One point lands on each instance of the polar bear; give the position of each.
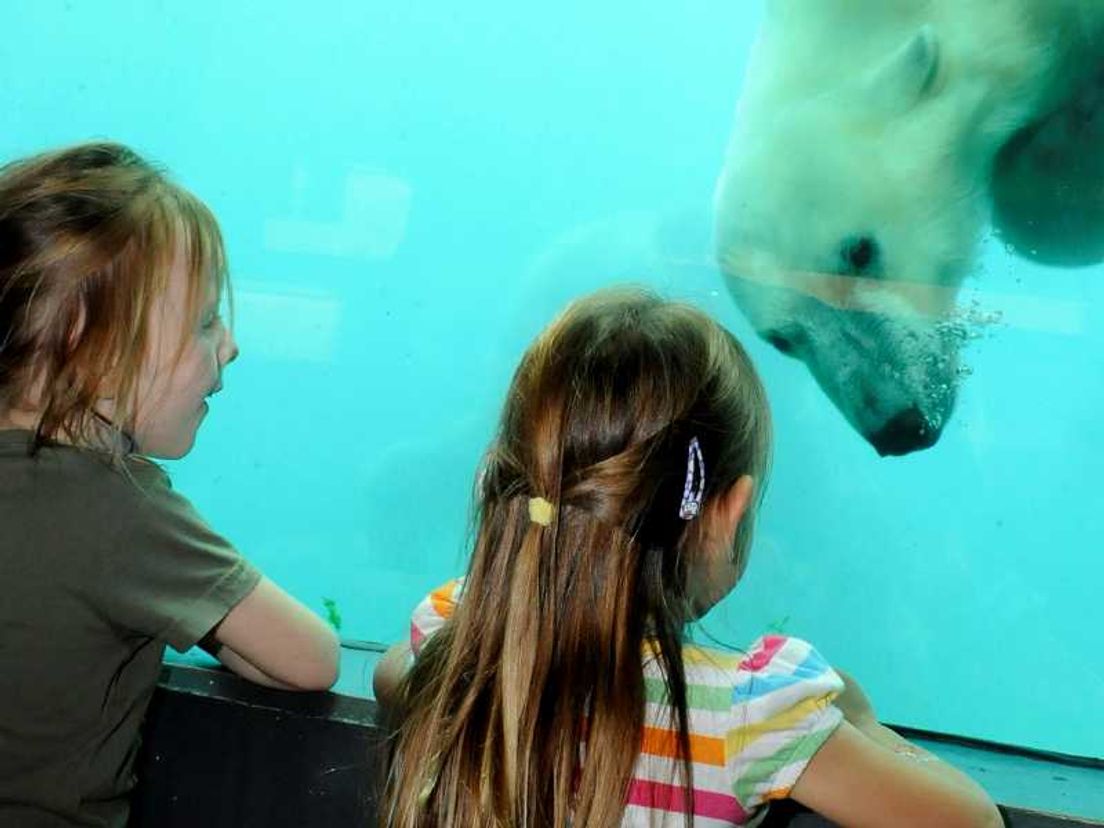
(874, 141)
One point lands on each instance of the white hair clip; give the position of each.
(691, 495)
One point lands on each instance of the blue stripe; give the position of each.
(757, 685)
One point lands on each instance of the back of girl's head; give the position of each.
(554, 619)
(87, 238)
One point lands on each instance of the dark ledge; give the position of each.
(220, 751)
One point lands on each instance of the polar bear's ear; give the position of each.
(900, 82)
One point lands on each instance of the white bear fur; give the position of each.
(912, 123)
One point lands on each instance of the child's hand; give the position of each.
(853, 702)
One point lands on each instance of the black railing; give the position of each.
(220, 752)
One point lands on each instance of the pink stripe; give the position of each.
(762, 657)
(416, 637)
(661, 797)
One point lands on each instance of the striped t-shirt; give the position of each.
(755, 718)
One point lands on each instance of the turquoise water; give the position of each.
(408, 194)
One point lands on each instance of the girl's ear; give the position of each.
(733, 505)
(906, 76)
(719, 564)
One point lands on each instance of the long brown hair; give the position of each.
(527, 707)
(87, 237)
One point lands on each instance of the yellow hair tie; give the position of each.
(540, 511)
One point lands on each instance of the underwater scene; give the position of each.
(897, 207)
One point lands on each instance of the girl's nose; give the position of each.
(228, 349)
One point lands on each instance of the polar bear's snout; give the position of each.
(908, 431)
(893, 375)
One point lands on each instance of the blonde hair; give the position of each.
(527, 707)
(87, 238)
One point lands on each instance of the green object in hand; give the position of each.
(332, 614)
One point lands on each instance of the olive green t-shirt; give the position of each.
(98, 572)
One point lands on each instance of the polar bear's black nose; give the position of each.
(908, 431)
(859, 255)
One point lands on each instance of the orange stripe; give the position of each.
(442, 600)
(706, 750)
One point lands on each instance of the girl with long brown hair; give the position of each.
(553, 685)
(111, 341)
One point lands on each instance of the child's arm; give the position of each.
(428, 617)
(857, 781)
(271, 638)
(389, 673)
(865, 774)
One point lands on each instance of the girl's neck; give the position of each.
(105, 437)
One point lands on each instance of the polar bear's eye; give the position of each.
(780, 342)
(788, 339)
(859, 255)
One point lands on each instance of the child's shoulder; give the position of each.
(81, 482)
(433, 611)
(59, 465)
(441, 602)
(137, 477)
(772, 661)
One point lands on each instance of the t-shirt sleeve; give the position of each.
(432, 613)
(782, 713)
(166, 573)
